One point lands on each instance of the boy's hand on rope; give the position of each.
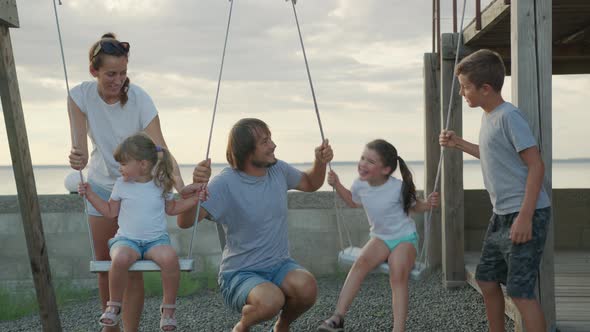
(324, 153)
(333, 179)
(433, 200)
(448, 138)
(78, 159)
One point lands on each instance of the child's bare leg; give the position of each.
(401, 261)
(373, 253)
(532, 314)
(122, 258)
(494, 301)
(166, 258)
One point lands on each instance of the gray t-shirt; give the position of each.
(504, 133)
(253, 213)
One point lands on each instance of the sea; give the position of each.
(567, 173)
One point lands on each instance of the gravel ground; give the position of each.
(432, 308)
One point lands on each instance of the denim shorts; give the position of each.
(236, 285)
(140, 246)
(103, 193)
(412, 238)
(515, 265)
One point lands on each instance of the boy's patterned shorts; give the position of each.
(515, 265)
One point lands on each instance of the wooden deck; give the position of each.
(570, 35)
(572, 288)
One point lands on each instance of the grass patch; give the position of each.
(21, 303)
(189, 283)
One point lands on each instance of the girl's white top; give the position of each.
(108, 125)
(384, 207)
(142, 215)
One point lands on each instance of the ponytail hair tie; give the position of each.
(158, 148)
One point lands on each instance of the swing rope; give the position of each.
(423, 252)
(74, 133)
(144, 265)
(317, 112)
(214, 112)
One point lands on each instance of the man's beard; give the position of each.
(263, 164)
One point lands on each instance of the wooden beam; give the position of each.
(452, 200)
(8, 13)
(490, 16)
(432, 150)
(25, 184)
(531, 56)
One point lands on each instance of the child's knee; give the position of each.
(488, 287)
(123, 260)
(399, 276)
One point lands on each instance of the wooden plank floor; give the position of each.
(572, 288)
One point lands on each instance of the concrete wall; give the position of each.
(313, 237)
(571, 215)
(313, 233)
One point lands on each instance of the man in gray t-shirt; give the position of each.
(257, 276)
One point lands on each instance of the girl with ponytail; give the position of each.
(141, 198)
(388, 202)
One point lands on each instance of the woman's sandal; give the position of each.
(169, 322)
(330, 325)
(113, 315)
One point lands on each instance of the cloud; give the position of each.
(365, 59)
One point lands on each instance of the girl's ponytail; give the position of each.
(163, 170)
(408, 188)
(389, 157)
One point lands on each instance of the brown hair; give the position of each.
(241, 142)
(141, 147)
(483, 67)
(96, 61)
(389, 157)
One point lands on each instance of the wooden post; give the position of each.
(432, 150)
(531, 53)
(25, 183)
(452, 199)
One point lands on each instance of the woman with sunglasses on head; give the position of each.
(108, 110)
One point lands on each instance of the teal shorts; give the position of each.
(412, 238)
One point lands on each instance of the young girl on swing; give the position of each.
(388, 202)
(140, 198)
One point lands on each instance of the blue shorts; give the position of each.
(102, 193)
(140, 246)
(412, 238)
(236, 285)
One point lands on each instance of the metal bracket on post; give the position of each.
(9, 14)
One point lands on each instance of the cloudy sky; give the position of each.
(365, 60)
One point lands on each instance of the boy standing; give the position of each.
(513, 175)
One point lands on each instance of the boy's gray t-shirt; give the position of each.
(253, 213)
(504, 133)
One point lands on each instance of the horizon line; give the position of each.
(579, 159)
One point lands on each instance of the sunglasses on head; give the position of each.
(111, 47)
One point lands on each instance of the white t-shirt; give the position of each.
(384, 208)
(142, 214)
(109, 125)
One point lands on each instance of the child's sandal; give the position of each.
(330, 325)
(167, 323)
(112, 317)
